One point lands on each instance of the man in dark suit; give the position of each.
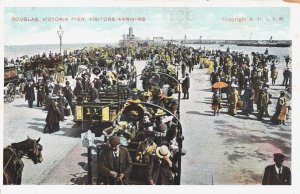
(29, 93)
(186, 86)
(40, 87)
(286, 77)
(277, 174)
(160, 167)
(115, 163)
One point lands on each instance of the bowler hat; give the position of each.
(114, 140)
(279, 156)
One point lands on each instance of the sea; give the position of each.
(14, 51)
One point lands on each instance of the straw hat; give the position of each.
(148, 93)
(160, 112)
(163, 151)
(122, 123)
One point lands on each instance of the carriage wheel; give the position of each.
(21, 89)
(276, 60)
(12, 98)
(11, 88)
(5, 99)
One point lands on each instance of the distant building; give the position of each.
(158, 39)
(130, 36)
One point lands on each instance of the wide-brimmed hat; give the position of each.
(160, 112)
(60, 68)
(148, 93)
(265, 88)
(234, 86)
(163, 151)
(122, 123)
(134, 113)
(54, 96)
(134, 91)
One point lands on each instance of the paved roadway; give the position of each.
(65, 160)
(225, 149)
(220, 149)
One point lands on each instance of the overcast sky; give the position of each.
(213, 23)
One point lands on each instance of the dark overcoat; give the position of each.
(159, 171)
(105, 164)
(29, 92)
(271, 177)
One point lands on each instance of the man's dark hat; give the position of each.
(282, 92)
(67, 82)
(114, 140)
(96, 71)
(279, 156)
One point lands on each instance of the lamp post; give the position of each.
(60, 33)
(200, 42)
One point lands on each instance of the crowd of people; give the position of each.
(245, 82)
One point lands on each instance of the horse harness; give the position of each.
(19, 154)
(10, 148)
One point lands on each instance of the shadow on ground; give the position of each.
(199, 113)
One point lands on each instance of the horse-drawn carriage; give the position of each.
(273, 59)
(135, 124)
(123, 112)
(13, 83)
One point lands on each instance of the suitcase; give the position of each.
(67, 111)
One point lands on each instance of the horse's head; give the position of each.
(34, 151)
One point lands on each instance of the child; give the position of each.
(282, 114)
(216, 103)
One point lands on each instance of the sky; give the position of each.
(175, 23)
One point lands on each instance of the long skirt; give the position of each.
(51, 127)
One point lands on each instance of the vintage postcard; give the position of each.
(150, 93)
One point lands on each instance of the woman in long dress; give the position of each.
(53, 116)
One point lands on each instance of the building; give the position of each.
(158, 39)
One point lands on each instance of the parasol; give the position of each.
(220, 85)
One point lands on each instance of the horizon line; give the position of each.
(144, 40)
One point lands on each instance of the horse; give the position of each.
(12, 159)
